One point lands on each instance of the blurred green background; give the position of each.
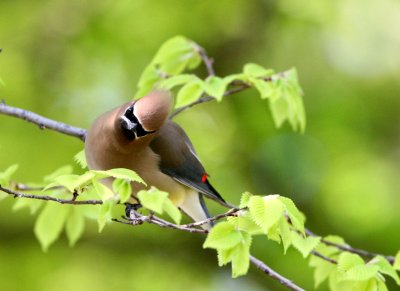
(72, 60)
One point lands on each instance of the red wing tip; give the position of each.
(204, 178)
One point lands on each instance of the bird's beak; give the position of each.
(129, 125)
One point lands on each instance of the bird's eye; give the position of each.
(130, 115)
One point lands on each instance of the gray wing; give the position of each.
(179, 160)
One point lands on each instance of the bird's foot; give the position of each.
(131, 208)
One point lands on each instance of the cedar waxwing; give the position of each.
(139, 136)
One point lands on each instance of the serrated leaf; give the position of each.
(123, 188)
(385, 268)
(223, 236)
(244, 222)
(189, 93)
(80, 159)
(296, 217)
(241, 256)
(102, 191)
(224, 256)
(323, 269)
(244, 200)
(175, 81)
(347, 261)
(396, 264)
(153, 199)
(5, 176)
(172, 49)
(105, 213)
(72, 182)
(75, 225)
(235, 77)
(285, 234)
(215, 87)
(172, 211)
(361, 272)
(120, 173)
(50, 223)
(265, 211)
(279, 110)
(337, 284)
(266, 89)
(304, 245)
(64, 170)
(256, 71)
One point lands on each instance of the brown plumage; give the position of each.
(138, 135)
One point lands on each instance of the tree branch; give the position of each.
(42, 122)
(350, 249)
(50, 198)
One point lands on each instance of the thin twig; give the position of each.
(139, 219)
(325, 258)
(206, 98)
(42, 122)
(208, 62)
(50, 198)
(350, 249)
(267, 270)
(231, 212)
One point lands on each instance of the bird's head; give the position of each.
(146, 115)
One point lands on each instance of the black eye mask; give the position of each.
(131, 126)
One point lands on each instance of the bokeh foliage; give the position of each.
(72, 60)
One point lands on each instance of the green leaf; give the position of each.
(64, 170)
(266, 211)
(215, 87)
(361, 273)
(153, 199)
(189, 93)
(102, 191)
(265, 88)
(256, 71)
(172, 211)
(241, 256)
(225, 256)
(223, 236)
(244, 200)
(120, 173)
(279, 110)
(296, 217)
(50, 223)
(347, 261)
(75, 225)
(235, 77)
(175, 81)
(105, 213)
(385, 268)
(285, 233)
(80, 159)
(5, 176)
(396, 264)
(323, 269)
(244, 222)
(304, 245)
(72, 182)
(123, 188)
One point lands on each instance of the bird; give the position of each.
(138, 135)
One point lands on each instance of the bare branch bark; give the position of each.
(42, 122)
(50, 198)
